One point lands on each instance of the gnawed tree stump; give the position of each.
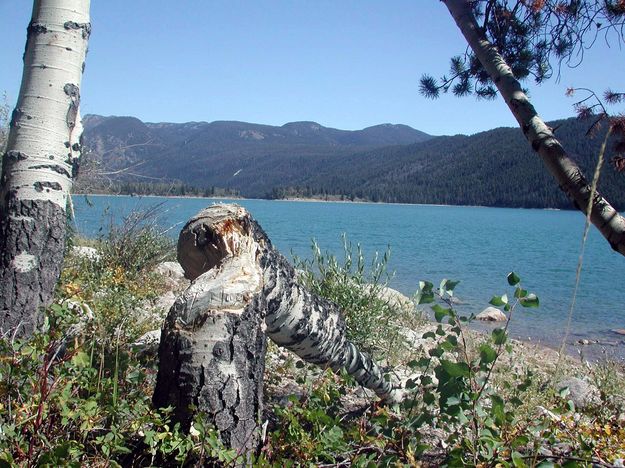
(213, 341)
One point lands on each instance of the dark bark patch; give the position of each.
(36, 28)
(54, 167)
(536, 144)
(41, 186)
(72, 113)
(71, 90)
(16, 155)
(86, 27)
(75, 167)
(15, 117)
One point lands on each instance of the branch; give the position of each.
(567, 174)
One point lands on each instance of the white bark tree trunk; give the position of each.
(213, 341)
(568, 175)
(40, 160)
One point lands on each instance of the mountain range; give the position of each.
(389, 163)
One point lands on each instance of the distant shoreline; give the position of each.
(310, 200)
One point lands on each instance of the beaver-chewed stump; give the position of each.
(213, 341)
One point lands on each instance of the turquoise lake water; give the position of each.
(478, 246)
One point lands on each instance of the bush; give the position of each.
(61, 405)
(374, 320)
(119, 282)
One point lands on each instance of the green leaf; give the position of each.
(513, 279)
(531, 300)
(414, 364)
(440, 312)
(455, 369)
(499, 336)
(424, 297)
(517, 460)
(436, 352)
(447, 286)
(520, 292)
(81, 359)
(447, 346)
(520, 441)
(487, 353)
(497, 301)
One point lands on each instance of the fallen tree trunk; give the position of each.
(212, 346)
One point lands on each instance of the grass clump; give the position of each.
(375, 315)
(117, 282)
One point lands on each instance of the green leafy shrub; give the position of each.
(118, 283)
(468, 403)
(374, 321)
(59, 406)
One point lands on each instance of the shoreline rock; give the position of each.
(491, 314)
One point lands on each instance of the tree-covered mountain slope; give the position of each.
(492, 168)
(390, 163)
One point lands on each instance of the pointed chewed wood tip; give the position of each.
(217, 232)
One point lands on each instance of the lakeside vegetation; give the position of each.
(79, 392)
(163, 189)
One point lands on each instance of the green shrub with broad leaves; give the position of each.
(466, 405)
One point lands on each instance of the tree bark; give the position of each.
(243, 288)
(40, 160)
(568, 175)
(212, 350)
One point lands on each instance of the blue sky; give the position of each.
(347, 64)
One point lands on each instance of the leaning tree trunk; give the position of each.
(568, 175)
(212, 345)
(40, 160)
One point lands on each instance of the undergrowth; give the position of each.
(468, 403)
(375, 315)
(77, 394)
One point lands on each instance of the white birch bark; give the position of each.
(212, 344)
(568, 175)
(41, 157)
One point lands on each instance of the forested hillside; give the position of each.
(493, 168)
(244, 157)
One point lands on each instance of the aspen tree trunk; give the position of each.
(40, 160)
(212, 344)
(568, 175)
